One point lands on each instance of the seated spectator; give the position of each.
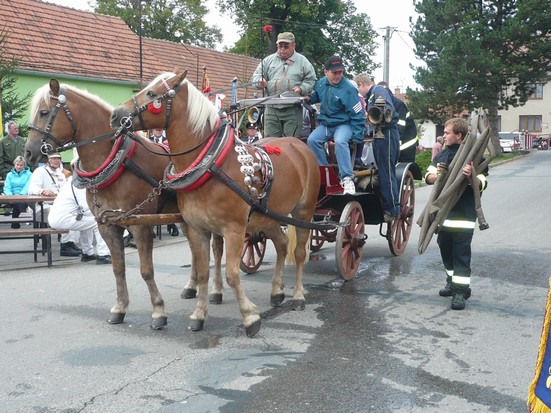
(70, 211)
(17, 183)
(48, 180)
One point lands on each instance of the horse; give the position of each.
(233, 195)
(63, 117)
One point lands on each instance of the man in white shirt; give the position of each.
(70, 211)
(48, 180)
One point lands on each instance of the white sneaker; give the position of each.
(348, 186)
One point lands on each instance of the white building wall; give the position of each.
(533, 107)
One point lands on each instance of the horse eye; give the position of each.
(150, 94)
(44, 112)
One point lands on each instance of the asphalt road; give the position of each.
(384, 342)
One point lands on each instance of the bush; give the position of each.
(423, 159)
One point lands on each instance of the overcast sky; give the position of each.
(392, 13)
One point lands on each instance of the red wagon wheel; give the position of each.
(254, 248)
(350, 240)
(317, 239)
(399, 230)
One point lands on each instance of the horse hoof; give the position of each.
(196, 325)
(253, 329)
(276, 300)
(188, 293)
(158, 323)
(298, 305)
(215, 298)
(116, 318)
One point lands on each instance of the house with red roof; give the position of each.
(101, 54)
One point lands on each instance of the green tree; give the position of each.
(13, 105)
(321, 28)
(479, 53)
(181, 21)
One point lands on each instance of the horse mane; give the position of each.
(42, 95)
(200, 109)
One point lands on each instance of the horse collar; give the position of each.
(214, 153)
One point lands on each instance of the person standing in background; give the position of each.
(11, 146)
(437, 147)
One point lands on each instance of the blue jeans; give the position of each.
(386, 152)
(341, 135)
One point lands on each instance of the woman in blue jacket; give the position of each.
(17, 183)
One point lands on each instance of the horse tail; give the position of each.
(292, 244)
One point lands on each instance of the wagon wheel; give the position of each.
(399, 230)
(350, 240)
(317, 239)
(254, 248)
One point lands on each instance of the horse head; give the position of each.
(170, 97)
(62, 114)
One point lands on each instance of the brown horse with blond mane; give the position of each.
(280, 176)
(120, 174)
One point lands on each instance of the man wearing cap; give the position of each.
(284, 71)
(48, 180)
(252, 134)
(341, 117)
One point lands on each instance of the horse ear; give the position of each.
(181, 76)
(54, 86)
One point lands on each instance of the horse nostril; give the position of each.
(113, 116)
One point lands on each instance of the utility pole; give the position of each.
(386, 63)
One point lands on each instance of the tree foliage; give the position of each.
(174, 20)
(321, 29)
(479, 53)
(13, 105)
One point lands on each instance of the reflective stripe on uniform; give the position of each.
(409, 143)
(449, 273)
(483, 182)
(402, 122)
(458, 224)
(457, 279)
(431, 170)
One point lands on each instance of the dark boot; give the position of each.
(446, 291)
(173, 230)
(458, 301)
(69, 249)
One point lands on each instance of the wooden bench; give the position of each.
(34, 234)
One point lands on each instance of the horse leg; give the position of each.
(113, 237)
(217, 286)
(280, 242)
(300, 260)
(249, 312)
(199, 242)
(190, 290)
(143, 236)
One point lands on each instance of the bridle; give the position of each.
(155, 107)
(46, 148)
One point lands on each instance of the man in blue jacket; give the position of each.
(341, 117)
(386, 144)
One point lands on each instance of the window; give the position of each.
(531, 123)
(538, 91)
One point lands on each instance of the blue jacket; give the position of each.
(17, 183)
(339, 104)
(381, 91)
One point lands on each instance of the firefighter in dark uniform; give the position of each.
(406, 128)
(456, 233)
